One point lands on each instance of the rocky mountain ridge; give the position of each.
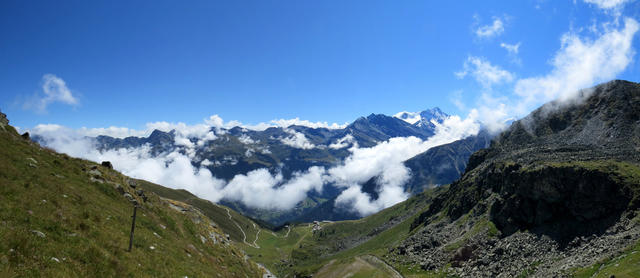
(558, 190)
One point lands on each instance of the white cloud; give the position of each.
(578, 64)
(54, 89)
(174, 169)
(216, 121)
(113, 131)
(261, 189)
(343, 142)
(245, 139)
(296, 121)
(296, 140)
(511, 48)
(607, 4)
(258, 189)
(512, 51)
(488, 31)
(285, 123)
(484, 72)
(409, 117)
(385, 161)
(581, 62)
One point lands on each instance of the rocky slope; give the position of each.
(555, 192)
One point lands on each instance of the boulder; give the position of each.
(463, 254)
(132, 183)
(26, 136)
(128, 196)
(107, 164)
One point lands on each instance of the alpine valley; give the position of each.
(556, 194)
(288, 151)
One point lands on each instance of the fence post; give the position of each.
(133, 226)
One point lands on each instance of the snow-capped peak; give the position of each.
(422, 118)
(409, 117)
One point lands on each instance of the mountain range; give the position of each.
(293, 149)
(554, 195)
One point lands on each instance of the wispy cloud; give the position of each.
(488, 31)
(608, 4)
(580, 63)
(343, 142)
(54, 89)
(512, 52)
(511, 48)
(484, 72)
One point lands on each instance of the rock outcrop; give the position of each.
(560, 185)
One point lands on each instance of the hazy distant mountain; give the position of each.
(288, 150)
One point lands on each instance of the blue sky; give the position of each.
(127, 64)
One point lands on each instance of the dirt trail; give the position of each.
(244, 235)
(285, 236)
(361, 265)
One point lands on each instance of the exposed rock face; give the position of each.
(107, 164)
(3, 119)
(132, 183)
(564, 202)
(559, 185)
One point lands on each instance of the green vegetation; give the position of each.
(219, 214)
(626, 265)
(305, 252)
(55, 221)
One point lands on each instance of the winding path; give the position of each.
(244, 235)
(255, 242)
(285, 236)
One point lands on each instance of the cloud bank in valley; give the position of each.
(385, 163)
(261, 188)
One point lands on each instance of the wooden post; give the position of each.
(133, 226)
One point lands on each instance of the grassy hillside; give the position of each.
(237, 226)
(302, 251)
(61, 218)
